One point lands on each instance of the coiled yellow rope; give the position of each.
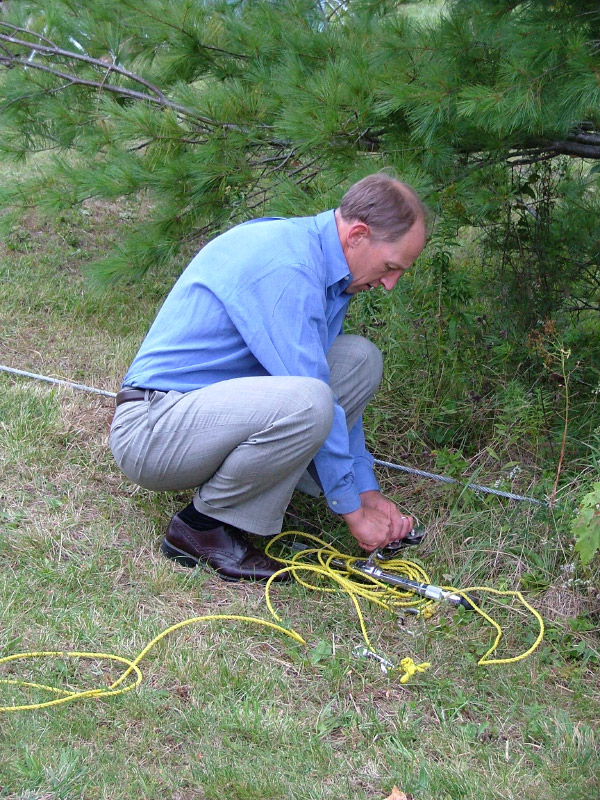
(386, 596)
(356, 585)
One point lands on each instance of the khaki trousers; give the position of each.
(244, 443)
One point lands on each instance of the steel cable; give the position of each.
(401, 467)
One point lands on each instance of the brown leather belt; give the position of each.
(128, 394)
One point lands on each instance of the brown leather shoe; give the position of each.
(227, 552)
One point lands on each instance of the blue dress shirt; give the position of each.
(265, 298)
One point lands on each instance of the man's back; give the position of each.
(252, 301)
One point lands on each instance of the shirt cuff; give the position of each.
(344, 501)
(364, 477)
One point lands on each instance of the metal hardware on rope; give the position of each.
(360, 651)
(427, 590)
(371, 568)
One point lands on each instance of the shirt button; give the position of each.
(334, 502)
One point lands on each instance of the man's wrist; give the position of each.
(370, 495)
(351, 516)
(345, 501)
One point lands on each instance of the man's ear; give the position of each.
(357, 232)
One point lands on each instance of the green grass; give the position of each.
(227, 710)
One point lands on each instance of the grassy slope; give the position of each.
(226, 710)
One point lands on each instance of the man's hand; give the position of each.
(401, 524)
(377, 522)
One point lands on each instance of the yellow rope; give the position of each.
(410, 668)
(384, 595)
(132, 666)
(345, 579)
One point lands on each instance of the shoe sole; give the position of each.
(186, 560)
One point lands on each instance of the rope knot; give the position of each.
(408, 666)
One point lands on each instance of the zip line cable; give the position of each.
(72, 385)
(400, 467)
(474, 486)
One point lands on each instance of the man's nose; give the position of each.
(390, 280)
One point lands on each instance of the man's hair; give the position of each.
(388, 206)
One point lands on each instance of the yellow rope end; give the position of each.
(408, 666)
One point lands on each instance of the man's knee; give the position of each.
(370, 355)
(318, 398)
(355, 353)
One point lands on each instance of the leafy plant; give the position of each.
(586, 525)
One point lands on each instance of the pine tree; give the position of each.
(225, 110)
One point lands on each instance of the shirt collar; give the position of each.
(336, 267)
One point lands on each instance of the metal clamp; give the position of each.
(414, 538)
(360, 651)
(427, 590)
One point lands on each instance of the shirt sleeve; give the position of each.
(364, 477)
(282, 319)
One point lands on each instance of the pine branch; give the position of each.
(74, 80)
(584, 306)
(338, 8)
(575, 147)
(579, 145)
(28, 32)
(545, 156)
(139, 10)
(563, 147)
(12, 60)
(587, 138)
(53, 51)
(156, 138)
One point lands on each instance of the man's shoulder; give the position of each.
(258, 247)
